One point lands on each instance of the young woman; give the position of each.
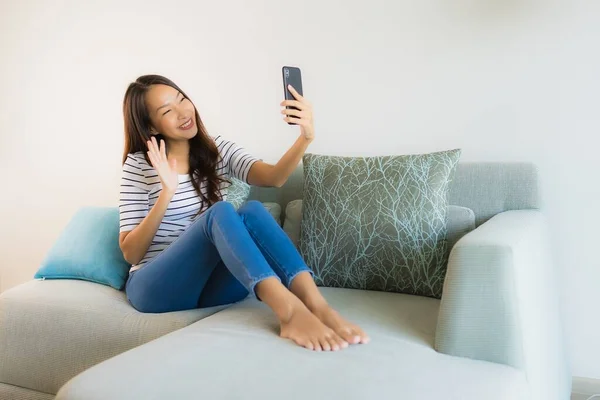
(189, 248)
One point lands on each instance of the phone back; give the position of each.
(292, 76)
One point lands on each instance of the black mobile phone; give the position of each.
(291, 76)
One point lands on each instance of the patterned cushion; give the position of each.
(461, 220)
(378, 223)
(237, 192)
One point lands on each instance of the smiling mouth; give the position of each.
(187, 125)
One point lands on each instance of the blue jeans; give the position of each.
(217, 260)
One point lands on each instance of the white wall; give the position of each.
(502, 79)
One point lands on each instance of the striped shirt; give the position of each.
(140, 187)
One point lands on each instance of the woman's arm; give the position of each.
(263, 174)
(134, 244)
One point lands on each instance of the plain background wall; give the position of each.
(505, 80)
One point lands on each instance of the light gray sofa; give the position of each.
(495, 334)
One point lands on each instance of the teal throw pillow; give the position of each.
(88, 249)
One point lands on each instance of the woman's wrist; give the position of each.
(167, 195)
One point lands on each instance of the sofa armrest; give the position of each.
(500, 300)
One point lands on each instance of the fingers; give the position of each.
(295, 93)
(152, 155)
(291, 111)
(153, 159)
(156, 152)
(295, 103)
(163, 149)
(301, 115)
(152, 148)
(296, 117)
(297, 121)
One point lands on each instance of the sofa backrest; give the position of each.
(485, 187)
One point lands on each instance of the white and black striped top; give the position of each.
(140, 187)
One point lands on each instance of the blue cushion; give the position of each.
(88, 249)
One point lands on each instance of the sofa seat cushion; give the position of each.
(11, 392)
(54, 329)
(236, 354)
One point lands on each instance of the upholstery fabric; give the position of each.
(275, 210)
(11, 392)
(237, 354)
(461, 220)
(500, 301)
(487, 188)
(238, 192)
(53, 329)
(378, 223)
(88, 249)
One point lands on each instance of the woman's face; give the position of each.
(171, 114)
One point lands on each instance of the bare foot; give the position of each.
(304, 328)
(348, 331)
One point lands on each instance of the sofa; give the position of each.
(495, 333)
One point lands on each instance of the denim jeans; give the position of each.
(217, 260)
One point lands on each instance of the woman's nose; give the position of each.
(181, 114)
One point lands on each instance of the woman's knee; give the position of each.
(223, 206)
(251, 207)
(140, 306)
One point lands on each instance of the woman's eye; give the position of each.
(166, 112)
(182, 99)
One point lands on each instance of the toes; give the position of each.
(316, 345)
(325, 344)
(303, 343)
(364, 338)
(340, 341)
(349, 335)
(333, 343)
(307, 344)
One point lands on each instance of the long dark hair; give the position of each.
(204, 155)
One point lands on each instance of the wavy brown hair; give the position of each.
(204, 154)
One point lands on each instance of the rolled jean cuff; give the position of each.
(290, 278)
(255, 281)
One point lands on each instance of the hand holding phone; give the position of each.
(293, 77)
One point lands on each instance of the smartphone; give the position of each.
(291, 76)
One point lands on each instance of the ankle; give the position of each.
(283, 302)
(317, 305)
(304, 287)
(286, 310)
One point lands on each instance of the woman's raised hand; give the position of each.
(166, 169)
